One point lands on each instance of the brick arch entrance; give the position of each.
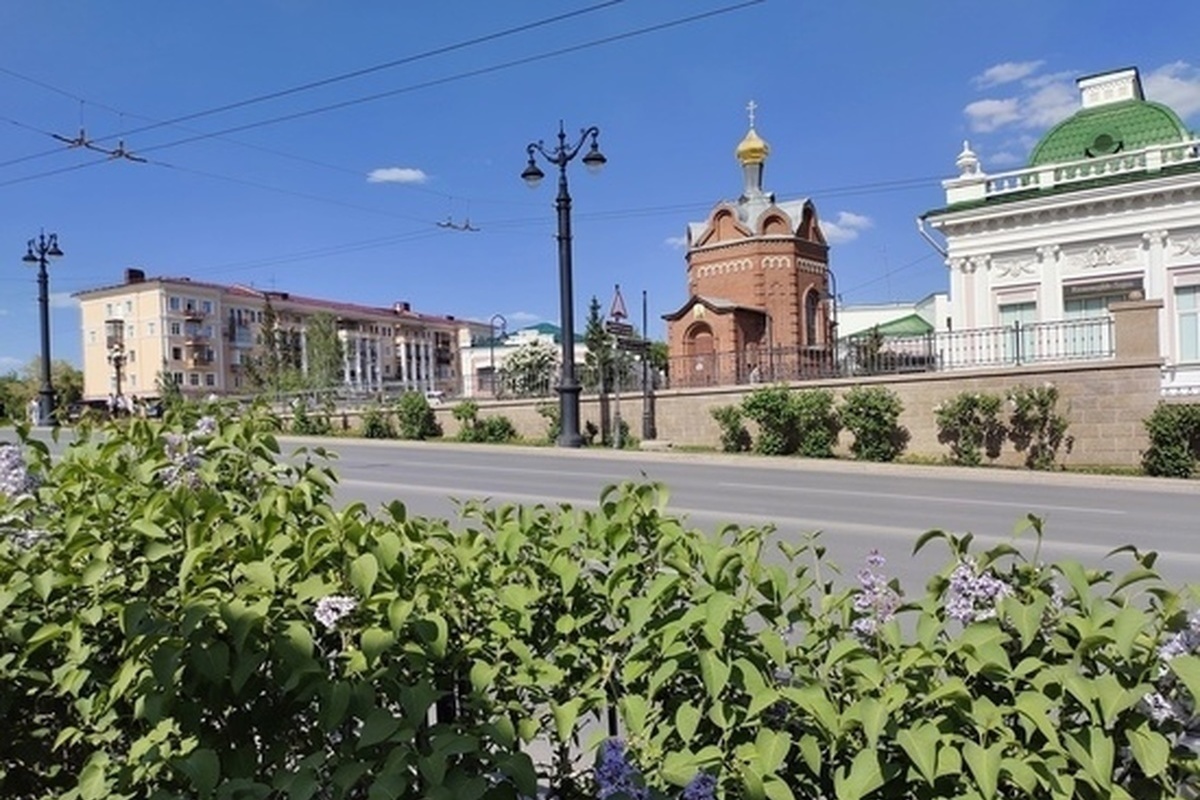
(700, 347)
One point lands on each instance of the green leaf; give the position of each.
(1187, 669)
(920, 743)
(260, 574)
(776, 789)
(985, 766)
(1151, 749)
(378, 726)
(1039, 710)
(203, 769)
(715, 674)
(1094, 751)
(434, 632)
(363, 572)
(375, 642)
(687, 719)
(634, 711)
(565, 716)
(1127, 624)
(863, 776)
(771, 748)
(872, 714)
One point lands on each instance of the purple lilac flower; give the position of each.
(15, 479)
(185, 460)
(615, 775)
(876, 600)
(1159, 707)
(1180, 644)
(973, 596)
(333, 609)
(26, 538)
(206, 426)
(701, 787)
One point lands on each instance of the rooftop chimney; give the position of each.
(134, 275)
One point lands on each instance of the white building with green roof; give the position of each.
(1107, 209)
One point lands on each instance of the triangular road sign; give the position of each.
(618, 311)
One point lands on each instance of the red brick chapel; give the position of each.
(758, 283)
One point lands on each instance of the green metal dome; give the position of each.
(1109, 129)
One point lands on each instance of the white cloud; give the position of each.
(10, 362)
(846, 227)
(675, 242)
(63, 300)
(397, 175)
(1049, 105)
(1176, 85)
(984, 116)
(1004, 158)
(1007, 72)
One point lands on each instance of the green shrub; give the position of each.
(1174, 432)
(189, 614)
(493, 430)
(817, 423)
(377, 424)
(970, 424)
(734, 436)
(1035, 426)
(415, 418)
(306, 424)
(550, 413)
(773, 410)
(872, 414)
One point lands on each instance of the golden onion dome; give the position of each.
(752, 149)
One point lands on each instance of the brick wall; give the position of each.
(1104, 403)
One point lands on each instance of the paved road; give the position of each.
(857, 506)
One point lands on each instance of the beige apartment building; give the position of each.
(201, 335)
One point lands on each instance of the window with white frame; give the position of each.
(193, 378)
(173, 303)
(210, 379)
(1187, 315)
(176, 329)
(150, 328)
(1018, 347)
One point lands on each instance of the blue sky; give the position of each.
(864, 104)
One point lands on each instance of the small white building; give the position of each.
(930, 313)
(1107, 209)
(483, 356)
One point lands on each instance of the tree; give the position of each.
(529, 370)
(274, 364)
(66, 377)
(598, 359)
(324, 351)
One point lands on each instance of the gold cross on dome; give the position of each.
(750, 108)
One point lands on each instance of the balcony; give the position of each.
(194, 312)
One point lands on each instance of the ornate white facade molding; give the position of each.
(726, 267)
(1189, 246)
(1014, 267)
(1048, 252)
(1102, 254)
(776, 262)
(1155, 238)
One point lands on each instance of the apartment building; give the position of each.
(202, 336)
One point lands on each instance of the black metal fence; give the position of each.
(875, 354)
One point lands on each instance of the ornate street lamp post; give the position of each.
(492, 347)
(115, 342)
(560, 156)
(40, 251)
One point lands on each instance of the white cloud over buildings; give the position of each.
(397, 175)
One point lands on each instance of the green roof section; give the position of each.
(1109, 129)
(912, 325)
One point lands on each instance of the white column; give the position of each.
(982, 291)
(1156, 286)
(346, 342)
(427, 353)
(1050, 299)
(402, 347)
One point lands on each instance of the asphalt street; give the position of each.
(855, 507)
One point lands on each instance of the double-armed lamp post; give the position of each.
(40, 251)
(560, 156)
